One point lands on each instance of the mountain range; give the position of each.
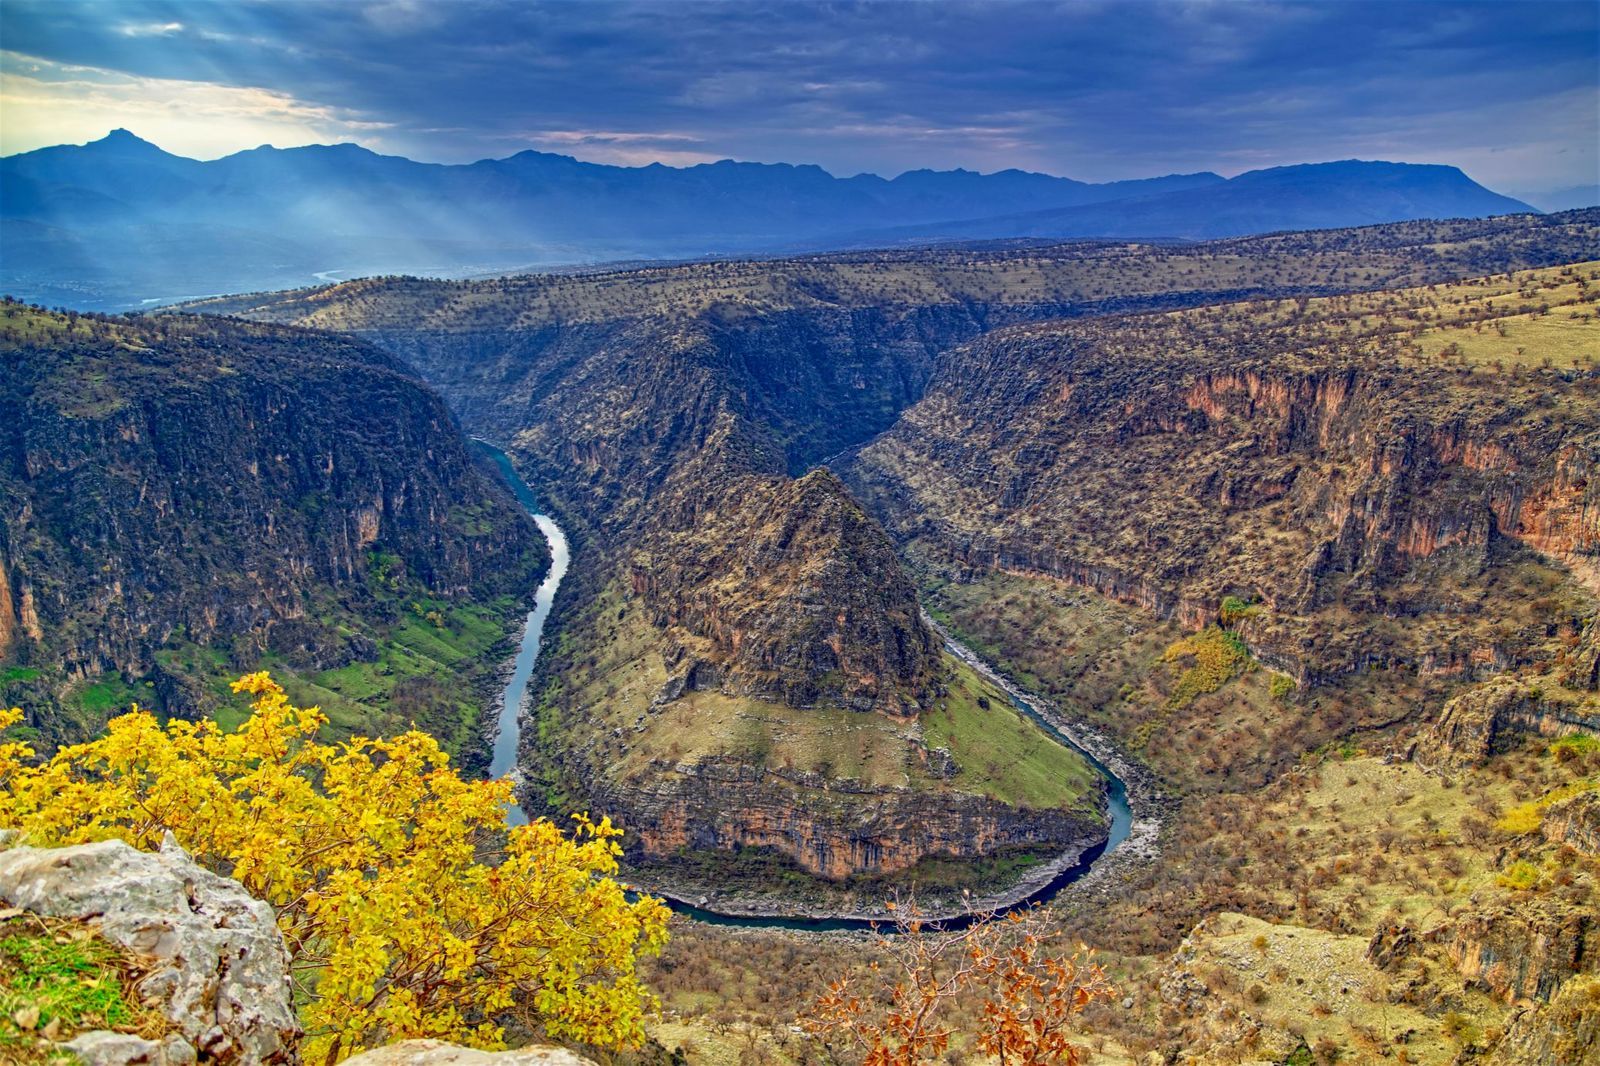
(119, 222)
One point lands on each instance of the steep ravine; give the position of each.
(665, 413)
(187, 499)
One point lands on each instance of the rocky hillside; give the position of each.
(190, 498)
(1398, 482)
(665, 413)
(1278, 550)
(785, 590)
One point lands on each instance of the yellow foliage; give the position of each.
(13, 753)
(376, 856)
(1520, 876)
(1217, 657)
(1524, 818)
(1527, 817)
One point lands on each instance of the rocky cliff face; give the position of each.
(1568, 1030)
(232, 486)
(829, 828)
(1298, 455)
(1523, 949)
(1491, 717)
(1575, 822)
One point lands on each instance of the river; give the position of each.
(504, 757)
(1045, 883)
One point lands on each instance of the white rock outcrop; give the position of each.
(436, 1053)
(217, 967)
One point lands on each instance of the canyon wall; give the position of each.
(663, 413)
(1364, 503)
(830, 828)
(197, 482)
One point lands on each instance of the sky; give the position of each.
(1098, 91)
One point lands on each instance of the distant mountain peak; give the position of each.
(123, 140)
(1365, 168)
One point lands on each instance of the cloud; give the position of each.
(151, 29)
(403, 16)
(1094, 90)
(44, 103)
(622, 148)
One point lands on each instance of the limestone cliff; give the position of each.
(830, 828)
(1493, 716)
(1524, 948)
(185, 483)
(213, 962)
(1568, 1030)
(1574, 821)
(1369, 498)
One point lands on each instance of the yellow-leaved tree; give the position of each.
(410, 909)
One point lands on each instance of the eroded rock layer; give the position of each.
(1303, 457)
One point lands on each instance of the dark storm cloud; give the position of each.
(1093, 90)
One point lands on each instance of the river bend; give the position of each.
(1038, 886)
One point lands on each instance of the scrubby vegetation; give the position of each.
(1259, 536)
(1210, 658)
(1032, 273)
(409, 909)
(1030, 994)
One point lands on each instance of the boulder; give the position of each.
(436, 1053)
(105, 1048)
(216, 964)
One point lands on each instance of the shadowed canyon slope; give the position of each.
(719, 603)
(186, 498)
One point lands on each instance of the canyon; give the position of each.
(188, 499)
(1302, 527)
(676, 418)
